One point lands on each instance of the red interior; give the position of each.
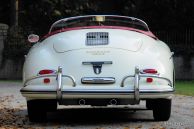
(148, 33)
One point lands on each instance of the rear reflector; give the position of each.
(149, 80)
(46, 71)
(150, 71)
(46, 80)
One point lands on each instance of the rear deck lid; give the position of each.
(97, 38)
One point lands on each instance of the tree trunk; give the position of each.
(12, 12)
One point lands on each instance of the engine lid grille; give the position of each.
(97, 38)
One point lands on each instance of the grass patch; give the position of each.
(185, 87)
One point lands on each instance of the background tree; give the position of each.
(4, 11)
(36, 16)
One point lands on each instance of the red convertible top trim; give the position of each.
(148, 33)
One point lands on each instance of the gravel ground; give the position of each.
(13, 114)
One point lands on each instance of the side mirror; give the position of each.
(33, 38)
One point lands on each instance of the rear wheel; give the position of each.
(149, 104)
(37, 109)
(161, 109)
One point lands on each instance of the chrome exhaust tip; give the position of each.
(82, 102)
(113, 102)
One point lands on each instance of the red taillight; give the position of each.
(46, 80)
(46, 71)
(149, 80)
(150, 71)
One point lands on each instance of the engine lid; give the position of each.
(83, 39)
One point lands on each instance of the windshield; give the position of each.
(99, 20)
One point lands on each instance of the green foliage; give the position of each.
(185, 87)
(40, 14)
(159, 14)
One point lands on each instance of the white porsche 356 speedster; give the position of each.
(98, 60)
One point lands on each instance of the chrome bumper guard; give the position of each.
(59, 83)
(137, 76)
(59, 77)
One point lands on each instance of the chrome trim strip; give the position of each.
(38, 92)
(114, 92)
(96, 62)
(98, 80)
(98, 93)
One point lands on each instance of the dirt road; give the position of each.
(13, 114)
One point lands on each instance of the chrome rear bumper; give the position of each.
(135, 94)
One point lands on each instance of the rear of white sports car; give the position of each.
(98, 66)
